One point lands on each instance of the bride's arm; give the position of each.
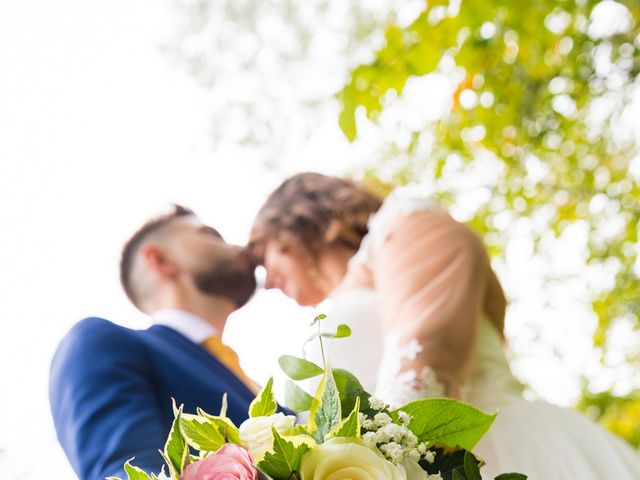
(433, 278)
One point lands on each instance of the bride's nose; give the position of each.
(268, 280)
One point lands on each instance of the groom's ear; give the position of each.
(157, 261)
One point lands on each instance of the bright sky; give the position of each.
(100, 131)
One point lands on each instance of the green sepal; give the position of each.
(511, 476)
(325, 411)
(350, 426)
(265, 402)
(295, 398)
(285, 459)
(298, 368)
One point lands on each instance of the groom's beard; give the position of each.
(231, 279)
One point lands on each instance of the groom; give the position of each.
(111, 387)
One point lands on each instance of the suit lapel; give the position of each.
(199, 357)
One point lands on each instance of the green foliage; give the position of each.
(511, 476)
(542, 92)
(133, 472)
(265, 402)
(295, 398)
(176, 449)
(350, 426)
(224, 426)
(471, 469)
(447, 422)
(325, 411)
(200, 432)
(285, 459)
(298, 368)
(621, 415)
(350, 390)
(342, 331)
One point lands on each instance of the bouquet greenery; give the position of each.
(348, 435)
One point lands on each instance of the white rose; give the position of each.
(414, 471)
(348, 458)
(256, 435)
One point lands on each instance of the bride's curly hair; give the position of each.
(316, 211)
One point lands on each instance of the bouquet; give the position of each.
(348, 435)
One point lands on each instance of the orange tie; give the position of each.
(229, 358)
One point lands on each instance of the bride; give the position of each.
(427, 315)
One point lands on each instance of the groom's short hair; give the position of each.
(132, 246)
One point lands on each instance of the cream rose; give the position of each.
(256, 435)
(348, 458)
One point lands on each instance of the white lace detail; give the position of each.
(402, 201)
(397, 386)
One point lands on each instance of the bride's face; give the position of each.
(291, 269)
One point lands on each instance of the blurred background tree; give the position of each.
(518, 117)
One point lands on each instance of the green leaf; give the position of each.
(135, 473)
(262, 475)
(225, 427)
(446, 421)
(201, 433)
(285, 459)
(295, 398)
(322, 316)
(349, 389)
(511, 476)
(325, 408)
(175, 446)
(265, 403)
(298, 368)
(471, 469)
(342, 331)
(456, 475)
(347, 118)
(350, 426)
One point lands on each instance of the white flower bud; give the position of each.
(256, 435)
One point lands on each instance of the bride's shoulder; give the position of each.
(401, 202)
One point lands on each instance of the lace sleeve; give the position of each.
(398, 385)
(431, 275)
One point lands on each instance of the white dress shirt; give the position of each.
(191, 326)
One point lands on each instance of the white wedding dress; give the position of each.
(536, 438)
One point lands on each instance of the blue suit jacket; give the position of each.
(111, 388)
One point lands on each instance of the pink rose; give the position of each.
(231, 462)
